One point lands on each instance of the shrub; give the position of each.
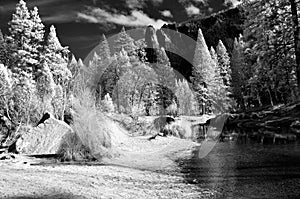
(93, 137)
(72, 149)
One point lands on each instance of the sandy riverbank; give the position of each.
(142, 169)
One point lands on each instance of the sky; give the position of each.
(80, 23)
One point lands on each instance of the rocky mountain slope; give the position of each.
(179, 39)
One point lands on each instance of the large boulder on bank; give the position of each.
(5, 128)
(47, 138)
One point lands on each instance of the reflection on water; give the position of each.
(247, 170)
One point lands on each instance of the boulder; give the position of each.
(295, 127)
(47, 138)
(5, 128)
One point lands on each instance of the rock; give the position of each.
(45, 117)
(7, 157)
(46, 138)
(5, 128)
(295, 127)
(68, 117)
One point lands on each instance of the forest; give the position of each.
(140, 77)
(205, 108)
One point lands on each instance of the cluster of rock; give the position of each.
(282, 122)
(46, 138)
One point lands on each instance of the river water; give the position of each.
(247, 170)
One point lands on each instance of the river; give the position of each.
(247, 170)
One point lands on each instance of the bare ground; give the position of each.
(138, 169)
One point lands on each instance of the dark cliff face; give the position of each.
(179, 39)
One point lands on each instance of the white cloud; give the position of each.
(60, 18)
(87, 18)
(234, 2)
(137, 18)
(192, 10)
(166, 13)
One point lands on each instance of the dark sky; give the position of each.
(80, 23)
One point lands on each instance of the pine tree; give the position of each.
(218, 91)
(294, 5)
(37, 30)
(45, 86)
(73, 66)
(224, 63)
(202, 72)
(269, 52)
(56, 57)
(166, 79)
(20, 23)
(214, 56)
(238, 78)
(124, 41)
(104, 50)
(27, 33)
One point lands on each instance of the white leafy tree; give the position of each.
(45, 87)
(5, 87)
(185, 97)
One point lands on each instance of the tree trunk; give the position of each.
(270, 96)
(296, 29)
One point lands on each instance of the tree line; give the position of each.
(38, 74)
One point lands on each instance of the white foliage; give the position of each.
(5, 81)
(107, 104)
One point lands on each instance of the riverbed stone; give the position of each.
(295, 127)
(46, 138)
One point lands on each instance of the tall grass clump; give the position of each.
(92, 137)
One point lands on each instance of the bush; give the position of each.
(93, 138)
(72, 149)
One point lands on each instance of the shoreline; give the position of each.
(132, 174)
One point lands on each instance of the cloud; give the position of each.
(192, 10)
(87, 18)
(166, 13)
(59, 18)
(233, 2)
(137, 18)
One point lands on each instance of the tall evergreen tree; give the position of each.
(166, 79)
(73, 66)
(45, 86)
(238, 77)
(296, 33)
(224, 63)
(270, 52)
(20, 23)
(56, 57)
(104, 50)
(124, 41)
(27, 32)
(218, 91)
(202, 72)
